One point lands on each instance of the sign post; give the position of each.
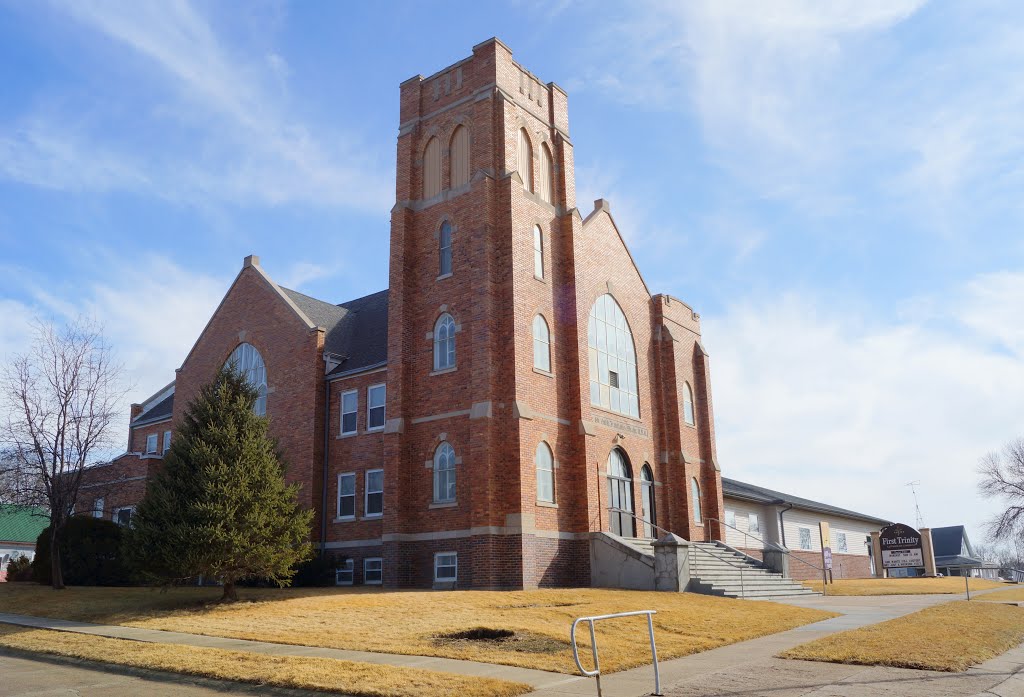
(901, 547)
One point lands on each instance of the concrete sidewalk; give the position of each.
(749, 667)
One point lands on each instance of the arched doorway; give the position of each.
(620, 498)
(647, 505)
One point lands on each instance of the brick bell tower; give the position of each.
(483, 159)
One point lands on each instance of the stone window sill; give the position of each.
(346, 435)
(444, 276)
(547, 504)
(345, 519)
(545, 373)
(372, 516)
(443, 504)
(444, 371)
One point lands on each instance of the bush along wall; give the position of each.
(90, 551)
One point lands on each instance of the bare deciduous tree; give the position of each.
(1002, 478)
(63, 395)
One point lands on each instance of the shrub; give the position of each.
(317, 572)
(90, 552)
(19, 568)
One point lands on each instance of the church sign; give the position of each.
(901, 547)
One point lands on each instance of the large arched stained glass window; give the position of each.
(249, 363)
(612, 359)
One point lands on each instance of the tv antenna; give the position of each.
(917, 508)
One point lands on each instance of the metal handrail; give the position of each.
(596, 673)
(784, 550)
(692, 548)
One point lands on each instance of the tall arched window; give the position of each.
(688, 404)
(546, 185)
(432, 169)
(697, 517)
(612, 355)
(545, 473)
(525, 163)
(647, 508)
(444, 473)
(444, 342)
(541, 344)
(620, 494)
(458, 161)
(538, 252)
(249, 363)
(444, 248)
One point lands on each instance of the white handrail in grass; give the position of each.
(596, 673)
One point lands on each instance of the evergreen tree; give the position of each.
(219, 507)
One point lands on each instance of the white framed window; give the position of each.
(446, 566)
(697, 517)
(612, 357)
(167, 441)
(444, 248)
(541, 344)
(249, 363)
(753, 523)
(688, 404)
(444, 473)
(444, 342)
(374, 503)
(730, 518)
(343, 574)
(349, 412)
(123, 515)
(97, 508)
(151, 444)
(841, 542)
(538, 252)
(545, 473)
(373, 571)
(805, 538)
(376, 396)
(347, 495)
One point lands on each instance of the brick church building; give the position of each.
(516, 389)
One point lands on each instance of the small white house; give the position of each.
(19, 528)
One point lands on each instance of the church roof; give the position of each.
(732, 488)
(356, 331)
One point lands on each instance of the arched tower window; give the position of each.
(545, 183)
(538, 252)
(525, 163)
(545, 473)
(432, 169)
(697, 517)
(541, 344)
(444, 342)
(444, 473)
(612, 355)
(458, 161)
(444, 248)
(249, 363)
(688, 404)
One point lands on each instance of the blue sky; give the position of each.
(836, 189)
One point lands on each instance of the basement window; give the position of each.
(446, 566)
(373, 571)
(344, 573)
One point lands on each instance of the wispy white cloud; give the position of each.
(834, 404)
(832, 106)
(246, 141)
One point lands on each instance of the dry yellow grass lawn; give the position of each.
(412, 622)
(950, 637)
(322, 674)
(902, 586)
(1013, 593)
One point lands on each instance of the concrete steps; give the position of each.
(718, 570)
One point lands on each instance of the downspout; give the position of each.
(782, 523)
(323, 486)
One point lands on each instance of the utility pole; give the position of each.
(917, 508)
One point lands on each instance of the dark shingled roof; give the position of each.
(751, 492)
(949, 542)
(160, 411)
(356, 331)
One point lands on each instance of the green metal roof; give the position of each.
(21, 524)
